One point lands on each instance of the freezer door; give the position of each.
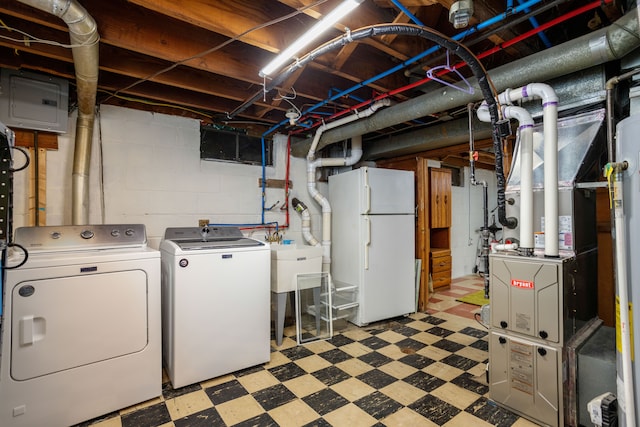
(387, 267)
(372, 191)
(387, 191)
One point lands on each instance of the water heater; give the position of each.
(628, 150)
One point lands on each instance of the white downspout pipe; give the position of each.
(313, 164)
(550, 130)
(526, 170)
(83, 34)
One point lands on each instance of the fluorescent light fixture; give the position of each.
(326, 22)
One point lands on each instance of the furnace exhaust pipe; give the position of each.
(550, 129)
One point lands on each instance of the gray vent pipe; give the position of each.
(83, 33)
(598, 47)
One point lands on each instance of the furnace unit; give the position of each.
(541, 305)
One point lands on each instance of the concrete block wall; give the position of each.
(467, 218)
(146, 168)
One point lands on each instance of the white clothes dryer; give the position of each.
(81, 324)
(215, 302)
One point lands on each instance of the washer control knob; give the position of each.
(56, 235)
(86, 234)
(129, 232)
(115, 233)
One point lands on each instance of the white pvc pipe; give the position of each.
(306, 228)
(504, 247)
(313, 164)
(526, 173)
(550, 129)
(526, 167)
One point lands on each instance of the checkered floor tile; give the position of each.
(427, 369)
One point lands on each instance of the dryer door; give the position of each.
(68, 322)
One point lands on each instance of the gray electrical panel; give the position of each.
(33, 101)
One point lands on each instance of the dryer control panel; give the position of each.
(81, 237)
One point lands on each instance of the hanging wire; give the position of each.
(221, 45)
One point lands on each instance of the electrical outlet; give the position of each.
(203, 222)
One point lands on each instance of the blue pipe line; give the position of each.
(336, 90)
(427, 52)
(407, 12)
(534, 23)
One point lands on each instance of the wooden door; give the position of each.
(440, 198)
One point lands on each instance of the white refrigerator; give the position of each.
(373, 241)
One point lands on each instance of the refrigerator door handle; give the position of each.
(367, 192)
(367, 199)
(367, 242)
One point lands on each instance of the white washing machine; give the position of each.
(81, 324)
(215, 302)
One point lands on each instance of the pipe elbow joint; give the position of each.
(483, 113)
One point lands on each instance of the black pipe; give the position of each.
(380, 30)
(500, 126)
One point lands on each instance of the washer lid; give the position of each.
(209, 237)
(191, 245)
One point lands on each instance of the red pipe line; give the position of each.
(540, 28)
(484, 54)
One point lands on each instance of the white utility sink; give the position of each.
(287, 261)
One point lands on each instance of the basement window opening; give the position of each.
(233, 146)
(457, 175)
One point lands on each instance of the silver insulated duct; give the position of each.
(83, 33)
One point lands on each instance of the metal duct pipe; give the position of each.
(83, 34)
(599, 47)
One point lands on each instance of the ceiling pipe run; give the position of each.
(607, 44)
(83, 34)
